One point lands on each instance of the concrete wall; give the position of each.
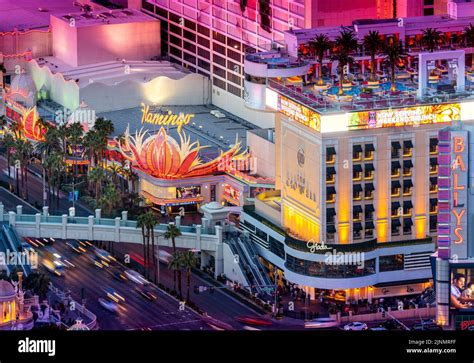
(424, 313)
(236, 105)
(262, 150)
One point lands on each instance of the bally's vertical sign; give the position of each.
(453, 194)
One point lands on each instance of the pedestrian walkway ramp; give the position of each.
(11, 245)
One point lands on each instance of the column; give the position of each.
(72, 212)
(12, 218)
(124, 215)
(64, 226)
(19, 210)
(2, 210)
(117, 229)
(37, 225)
(198, 237)
(177, 221)
(90, 226)
(46, 211)
(98, 213)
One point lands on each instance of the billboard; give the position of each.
(299, 113)
(461, 296)
(407, 116)
(452, 194)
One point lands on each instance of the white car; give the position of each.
(320, 323)
(108, 305)
(356, 326)
(135, 277)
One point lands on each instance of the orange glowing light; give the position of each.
(30, 126)
(163, 157)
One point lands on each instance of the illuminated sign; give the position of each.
(452, 194)
(408, 116)
(299, 113)
(13, 115)
(165, 119)
(232, 193)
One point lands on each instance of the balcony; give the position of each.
(274, 63)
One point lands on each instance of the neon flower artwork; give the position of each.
(163, 157)
(30, 127)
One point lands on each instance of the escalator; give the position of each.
(10, 241)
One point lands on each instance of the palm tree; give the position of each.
(431, 38)
(171, 233)
(109, 199)
(346, 42)
(151, 220)
(394, 52)
(188, 262)
(176, 265)
(9, 143)
(373, 44)
(97, 176)
(142, 223)
(319, 45)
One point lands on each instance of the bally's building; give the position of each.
(357, 176)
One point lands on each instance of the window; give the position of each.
(234, 55)
(396, 186)
(391, 263)
(330, 194)
(407, 207)
(357, 192)
(234, 44)
(234, 67)
(203, 30)
(369, 191)
(189, 24)
(433, 146)
(234, 78)
(407, 148)
(218, 82)
(396, 166)
(396, 227)
(189, 58)
(357, 231)
(204, 53)
(330, 155)
(189, 47)
(234, 90)
(277, 247)
(261, 234)
(433, 184)
(369, 152)
(219, 60)
(356, 172)
(369, 212)
(428, 11)
(176, 52)
(218, 71)
(175, 29)
(188, 35)
(396, 209)
(147, 6)
(330, 174)
(369, 171)
(396, 149)
(433, 165)
(357, 213)
(407, 224)
(174, 40)
(407, 187)
(204, 42)
(433, 205)
(330, 215)
(356, 152)
(407, 166)
(369, 229)
(204, 65)
(433, 223)
(218, 48)
(219, 37)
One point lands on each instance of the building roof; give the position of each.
(6, 289)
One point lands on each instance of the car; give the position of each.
(114, 295)
(108, 305)
(98, 262)
(104, 255)
(119, 276)
(390, 325)
(55, 267)
(356, 326)
(135, 277)
(320, 323)
(146, 293)
(426, 325)
(76, 246)
(253, 320)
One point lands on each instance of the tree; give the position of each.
(109, 199)
(9, 143)
(346, 42)
(394, 53)
(188, 262)
(373, 44)
(430, 38)
(142, 224)
(96, 177)
(171, 233)
(319, 45)
(176, 265)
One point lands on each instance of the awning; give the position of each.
(433, 142)
(407, 183)
(357, 209)
(433, 161)
(407, 222)
(357, 226)
(434, 180)
(407, 164)
(395, 205)
(357, 168)
(369, 187)
(331, 170)
(396, 222)
(369, 167)
(369, 208)
(357, 188)
(331, 228)
(396, 164)
(357, 148)
(396, 184)
(369, 147)
(331, 150)
(330, 190)
(407, 204)
(407, 144)
(396, 145)
(369, 225)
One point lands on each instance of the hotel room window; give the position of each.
(357, 213)
(369, 152)
(407, 224)
(330, 215)
(330, 155)
(407, 207)
(396, 146)
(356, 172)
(369, 212)
(396, 209)
(391, 263)
(330, 195)
(330, 174)
(357, 192)
(356, 153)
(396, 166)
(369, 171)
(369, 191)
(407, 166)
(433, 223)
(433, 205)
(369, 229)
(433, 165)
(396, 186)
(407, 148)
(330, 233)
(433, 146)
(407, 187)
(433, 184)
(396, 227)
(357, 231)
